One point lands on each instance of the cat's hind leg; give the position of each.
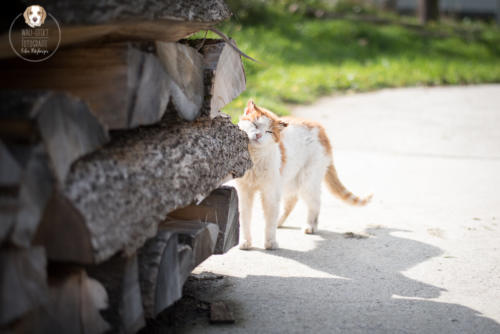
(290, 202)
(311, 194)
(245, 204)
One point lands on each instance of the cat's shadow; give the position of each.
(360, 284)
(372, 266)
(375, 255)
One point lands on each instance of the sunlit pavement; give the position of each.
(424, 256)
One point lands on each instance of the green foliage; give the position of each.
(302, 58)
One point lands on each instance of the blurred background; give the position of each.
(307, 49)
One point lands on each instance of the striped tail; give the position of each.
(338, 189)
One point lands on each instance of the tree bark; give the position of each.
(123, 191)
(124, 20)
(428, 10)
(78, 12)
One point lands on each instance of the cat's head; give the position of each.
(262, 126)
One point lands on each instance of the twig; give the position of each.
(230, 42)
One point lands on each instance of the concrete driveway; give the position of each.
(423, 257)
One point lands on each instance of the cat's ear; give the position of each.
(282, 125)
(250, 107)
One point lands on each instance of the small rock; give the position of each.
(221, 313)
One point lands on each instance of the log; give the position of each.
(124, 190)
(120, 277)
(10, 178)
(167, 260)
(34, 192)
(88, 21)
(200, 236)
(186, 261)
(61, 129)
(184, 67)
(62, 233)
(160, 272)
(224, 75)
(24, 204)
(202, 83)
(64, 124)
(124, 84)
(75, 303)
(77, 12)
(68, 131)
(23, 282)
(219, 207)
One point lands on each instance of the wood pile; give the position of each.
(112, 157)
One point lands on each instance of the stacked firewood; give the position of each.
(112, 156)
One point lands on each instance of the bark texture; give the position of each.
(127, 188)
(83, 12)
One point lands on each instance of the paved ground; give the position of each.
(428, 256)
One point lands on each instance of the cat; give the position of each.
(291, 157)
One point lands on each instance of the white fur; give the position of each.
(303, 172)
(35, 16)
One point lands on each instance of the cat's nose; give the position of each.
(258, 136)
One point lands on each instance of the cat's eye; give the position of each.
(269, 132)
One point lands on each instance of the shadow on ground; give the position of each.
(368, 293)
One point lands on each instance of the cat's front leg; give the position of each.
(270, 206)
(245, 204)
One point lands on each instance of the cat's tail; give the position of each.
(338, 189)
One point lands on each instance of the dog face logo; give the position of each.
(35, 16)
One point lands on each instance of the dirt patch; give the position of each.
(352, 235)
(436, 232)
(190, 310)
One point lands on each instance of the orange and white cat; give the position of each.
(290, 158)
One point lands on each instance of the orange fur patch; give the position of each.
(283, 156)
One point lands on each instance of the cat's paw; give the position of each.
(310, 230)
(271, 244)
(245, 245)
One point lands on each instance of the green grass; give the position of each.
(305, 58)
